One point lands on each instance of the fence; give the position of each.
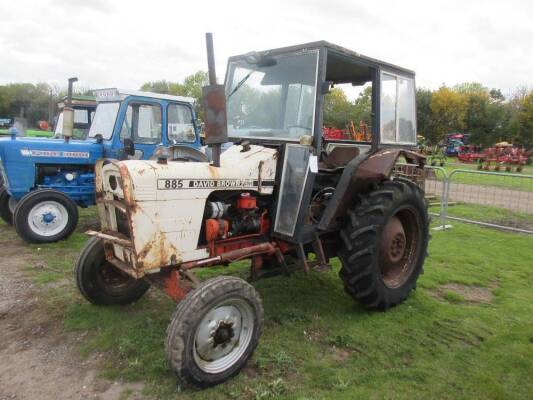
(506, 199)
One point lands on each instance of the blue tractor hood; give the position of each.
(21, 157)
(50, 151)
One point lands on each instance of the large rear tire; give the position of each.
(45, 216)
(103, 284)
(385, 242)
(214, 331)
(5, 212)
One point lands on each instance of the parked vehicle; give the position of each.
(282, 189)
(46, 179)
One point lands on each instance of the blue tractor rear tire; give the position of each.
(5, 212)
(45, 216)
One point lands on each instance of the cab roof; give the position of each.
(114, 94)
(336, 49)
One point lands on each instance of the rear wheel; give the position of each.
(45, 216)
(384, 244)
(214, 331)
(5, 212)
(100, 282)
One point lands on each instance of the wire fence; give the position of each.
(489, 198)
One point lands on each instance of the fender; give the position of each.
(360, 173)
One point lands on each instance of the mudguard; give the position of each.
(363, 171)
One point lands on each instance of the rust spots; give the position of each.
(141, 171)
(213, 172)
(158, 252)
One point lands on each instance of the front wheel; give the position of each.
(5, 211)
(385, 240)
(214, 331)
(45, 216)
(103, 284)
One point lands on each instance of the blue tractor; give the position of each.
(45, 180)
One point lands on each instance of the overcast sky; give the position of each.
(124, 43)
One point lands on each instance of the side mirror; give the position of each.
(129, 147)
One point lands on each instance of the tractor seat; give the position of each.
(338, 158)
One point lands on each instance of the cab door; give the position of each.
(294, 193)
(142, 123)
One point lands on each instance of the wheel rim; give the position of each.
(399, 246)
(48, 218)
(112, 279)
(223, 335)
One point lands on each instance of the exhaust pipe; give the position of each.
(68, 112)
(214, 104)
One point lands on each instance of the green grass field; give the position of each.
(466, 332)
(495, 178)
(31, 133)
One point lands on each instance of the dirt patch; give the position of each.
(38, 359)
(470, 294)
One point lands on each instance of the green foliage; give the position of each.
(190, 87)
(339, 111)
(473, 108)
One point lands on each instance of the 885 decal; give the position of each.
(169, 184)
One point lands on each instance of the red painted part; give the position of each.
(216, 229)
(333, 133)
(246, 202)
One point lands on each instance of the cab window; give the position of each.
(142, 123)
(398, 118)
(180, 124)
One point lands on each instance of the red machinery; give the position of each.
(470, 153)
(503, 155)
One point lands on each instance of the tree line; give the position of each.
(471, 108)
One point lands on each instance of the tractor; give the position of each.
(45, 180)
(282, 192)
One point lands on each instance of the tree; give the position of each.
(191, 87)
(448, 108)
(423, 114)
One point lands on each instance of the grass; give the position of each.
(318, 344)
(496, 178)
(494, 215)
(31, 132)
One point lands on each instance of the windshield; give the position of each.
(81, 124)
(272, 101)
(104, 120)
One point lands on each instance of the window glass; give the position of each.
(274, 98)
(406, 110)
(142, 123)
(81, 116)
(104, 120)
(388, 108)
(180, 124)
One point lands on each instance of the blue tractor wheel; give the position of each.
(5, 212)
(45, 216)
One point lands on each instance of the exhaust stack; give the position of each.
(68, 112)
(214, 104)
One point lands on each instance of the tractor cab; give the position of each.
(125, 125)
(286, 97)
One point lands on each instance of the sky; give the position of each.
(124, 43)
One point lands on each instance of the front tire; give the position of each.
(5, 211)
(45, 216)
(103, 284)
(385, 242)
(214, 331)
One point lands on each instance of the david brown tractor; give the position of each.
(46, 179)
(282, 190)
